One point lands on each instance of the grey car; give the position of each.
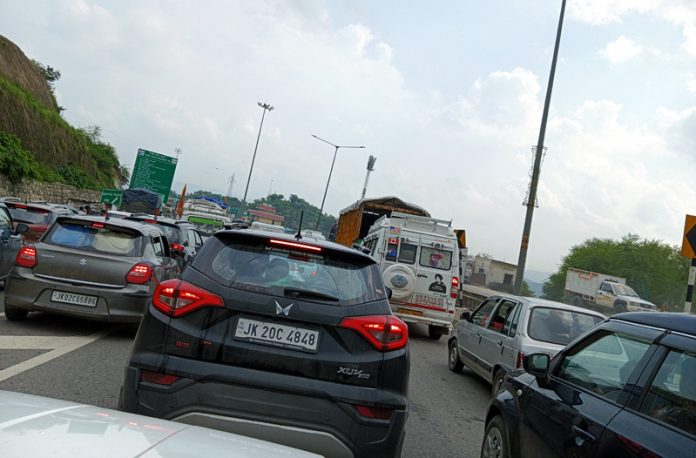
(494, 339)
(86, 267)
(11, 241)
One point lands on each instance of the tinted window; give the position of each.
(672, 396)
(27, 215)
(502, 315)
(559, 326)
(157, 246)
(255, 265)
(435, 258)
(172, 233)
(407, 254)
(481, 315)
(603, 363)
(5, 220)
(392, 248)
(88, 238)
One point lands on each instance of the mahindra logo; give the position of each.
(83, 262)
(283, 311)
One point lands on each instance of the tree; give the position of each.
(654, 269)
(50, 74)
(526, 291)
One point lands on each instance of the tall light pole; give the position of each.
(370, 168)
(265, 107)
(531, 202)
(330, 171)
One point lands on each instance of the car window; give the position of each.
(407, 253)
(559, 326)
(672, 396)
(392, 247)
(157, 246)
(510, 326)
(603, 363)
(193, 238)
(435, 258)
(501, 315)
(95, 237)
(5, 220)
(30, 216)
(480, 316)
(607, 287)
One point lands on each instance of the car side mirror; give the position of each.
(389, 292)
(537, 364)
(466, 315)
(21, 228)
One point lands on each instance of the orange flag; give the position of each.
(180, 205)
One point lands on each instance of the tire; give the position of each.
(498, 379)
(619, 307)
(15, 313)
(455, 364)
(435, 332)
(495, 443)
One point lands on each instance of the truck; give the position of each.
(602, 292)
(355, 221)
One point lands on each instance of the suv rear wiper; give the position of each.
(295, 292)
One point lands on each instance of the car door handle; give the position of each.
(499, 343)
(583, 434)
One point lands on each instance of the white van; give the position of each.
(418, 258)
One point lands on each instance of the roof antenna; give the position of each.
(298, 236)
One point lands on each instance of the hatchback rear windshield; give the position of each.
(85, 236)
(172, 233)
(31, 216)
(256, 265)
(559, 326)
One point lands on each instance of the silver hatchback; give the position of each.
(88, 267)
(493, 339)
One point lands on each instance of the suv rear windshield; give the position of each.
(559, 326)
(31, 216)
(106, 239)
(253, 264)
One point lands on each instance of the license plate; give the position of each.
(74, 299)
(429, 300)
(409, 312)
(278, 335)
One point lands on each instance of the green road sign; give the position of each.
(111, 196)
(155, 172)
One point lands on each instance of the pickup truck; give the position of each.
(604, 293)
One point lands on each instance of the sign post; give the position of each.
(154, 172)
(689, 251)
(111, 196)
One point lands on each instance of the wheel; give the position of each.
(495, 443)
(435, 332)
(15, 313)
(455, 364)
(619, 307)
(577, 301)
(498, 379)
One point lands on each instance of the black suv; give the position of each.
(184, 238)
(278, 338)
(625, 389)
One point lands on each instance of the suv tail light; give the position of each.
(176, 298)
(158, 377)
(454, 291)
(176, 246)
(26, 257)
(378, 413)
(384, 332)
(140, 273)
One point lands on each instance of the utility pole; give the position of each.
(230, 181)
(265, 107)
(531, 201)
(370, 168)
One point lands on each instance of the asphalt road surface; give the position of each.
(83, 362)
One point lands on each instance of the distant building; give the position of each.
(266, 214)
(492, 274)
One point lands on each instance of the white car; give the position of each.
(34, 426)
(494, 339)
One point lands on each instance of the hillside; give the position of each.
(35, 141)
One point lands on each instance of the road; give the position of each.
(83, 362)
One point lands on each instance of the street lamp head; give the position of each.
(266, 106)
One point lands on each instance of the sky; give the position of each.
(447, 95)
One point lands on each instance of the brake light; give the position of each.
(26, 257)
(384, 332)
(20, 206)
(454, 291)
(176, 298)
(98, 225)
(520, 360)
(158, 378)
(176, 246)
(140, 273)
(151, 221)
(378, 413)
(300, 246)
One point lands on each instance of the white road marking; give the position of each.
(59, 346)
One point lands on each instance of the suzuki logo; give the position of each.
(283, 311)
(83, 262)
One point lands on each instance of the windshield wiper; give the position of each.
(296, 292)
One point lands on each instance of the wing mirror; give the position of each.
(466, 315)
(537, 364)
(389, 292)
(21, 228)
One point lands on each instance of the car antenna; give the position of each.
(298, 236)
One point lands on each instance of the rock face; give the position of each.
(29, 111)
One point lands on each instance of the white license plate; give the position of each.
(276, 334)
(75, 299)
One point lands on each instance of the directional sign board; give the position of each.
(111, 196)
(155, 172)
(689, 241)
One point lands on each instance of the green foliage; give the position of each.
(15, 162)
(104, 157)
(526, 291)
(654, 269)
(75, 176)
(50, 74)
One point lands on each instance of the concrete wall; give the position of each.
(58, 193)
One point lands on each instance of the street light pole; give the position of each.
(336, 147)
(531, 202)
(265, 107)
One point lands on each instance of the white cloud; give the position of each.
(691, 83)
(601, 12)
(621, 50)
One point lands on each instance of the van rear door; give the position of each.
(435, 266)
